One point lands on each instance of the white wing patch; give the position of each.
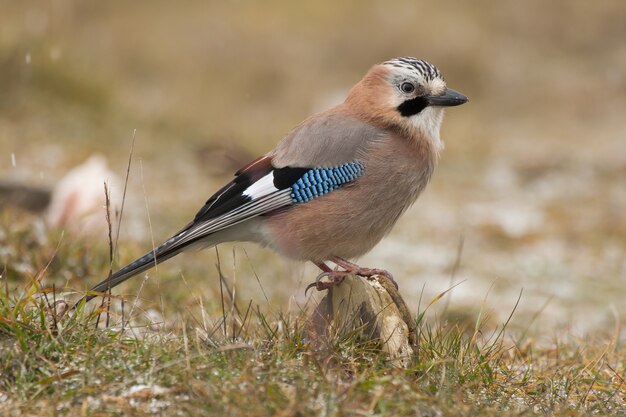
(264, 186)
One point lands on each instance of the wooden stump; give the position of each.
(373, 306)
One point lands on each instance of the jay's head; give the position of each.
(406, 92)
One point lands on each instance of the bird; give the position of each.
(335, 185)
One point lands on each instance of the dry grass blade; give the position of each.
(106, 301)
(439, 296)
(121, 215)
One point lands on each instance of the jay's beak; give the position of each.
(449, 98)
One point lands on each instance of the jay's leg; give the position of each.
(353, 268)
(323, 267)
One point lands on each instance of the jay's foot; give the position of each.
(335, 277)
(368, 273)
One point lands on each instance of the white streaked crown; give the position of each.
(419, 67)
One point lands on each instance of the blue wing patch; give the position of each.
(319, 181)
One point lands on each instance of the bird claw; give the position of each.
(369, 273)
(363, 272)
(335, 277)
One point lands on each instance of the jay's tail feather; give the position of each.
(168, 249)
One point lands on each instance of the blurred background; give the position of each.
(530, 192)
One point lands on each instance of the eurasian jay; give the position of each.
(336, 184)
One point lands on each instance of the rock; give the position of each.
(376, 308)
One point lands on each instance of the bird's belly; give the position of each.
(347, 223)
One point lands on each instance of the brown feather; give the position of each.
(350, 221)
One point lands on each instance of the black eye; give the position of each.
(407, 88)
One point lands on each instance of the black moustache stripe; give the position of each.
(413, 106)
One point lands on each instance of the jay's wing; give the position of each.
(317, 157)
(256, 190)
(326, 140)
(249, 194)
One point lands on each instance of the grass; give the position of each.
(235, 358)
(196, 79)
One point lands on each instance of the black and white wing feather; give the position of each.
(257, 189)
(251, 193)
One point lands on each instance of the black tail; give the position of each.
(163, 252)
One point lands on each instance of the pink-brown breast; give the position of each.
(350, 221)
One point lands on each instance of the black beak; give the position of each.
(449, 98)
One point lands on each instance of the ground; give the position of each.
(527, 202)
